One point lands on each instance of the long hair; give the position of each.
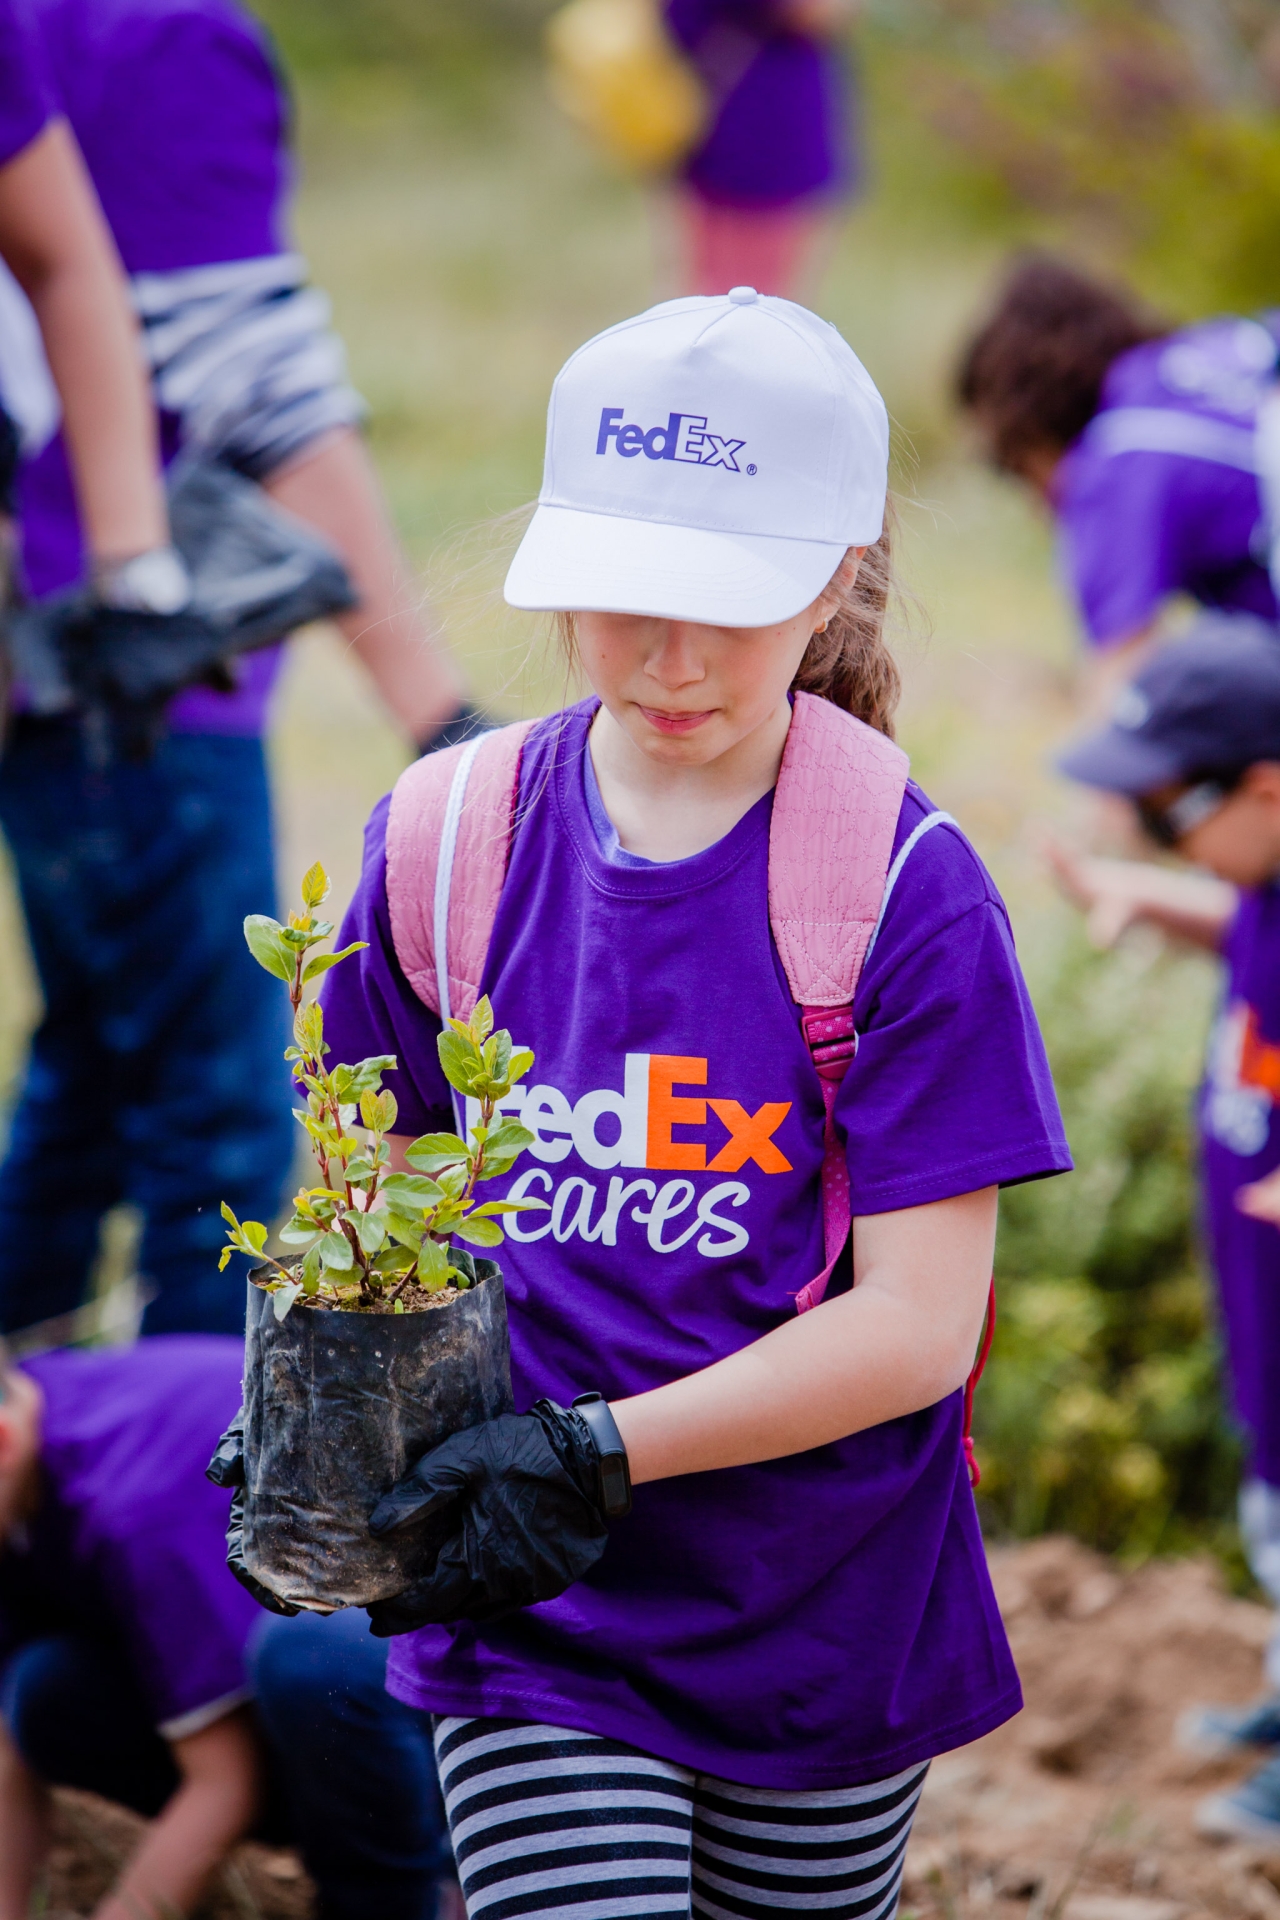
(1033, 372)
(850, 663)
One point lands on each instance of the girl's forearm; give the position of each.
(54, 238)
(24, 1831)
(1188, 906)
(902, 1339)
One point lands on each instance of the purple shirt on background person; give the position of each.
(26, 102)
(780, 105)
(815, 1620)
(1159, 494)
(178, 108)
(128, 1542)
(1240, 1142)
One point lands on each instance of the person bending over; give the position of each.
(1141, 441)
(128, 1657)
(1194, 747)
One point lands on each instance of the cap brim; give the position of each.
(570, 560)
(1118, 762)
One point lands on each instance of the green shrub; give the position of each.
(1100, 1413)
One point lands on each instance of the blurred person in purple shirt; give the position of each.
(133, 1666)
(155, 1075)
(779, 153)
(1141, 439)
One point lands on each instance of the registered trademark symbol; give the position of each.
(751, 466)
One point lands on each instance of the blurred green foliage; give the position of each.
(1141, 134)
(1101, 1413)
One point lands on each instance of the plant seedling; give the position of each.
(368, 1235)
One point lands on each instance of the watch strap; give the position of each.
(593, 1410)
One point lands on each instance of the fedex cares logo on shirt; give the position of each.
(636, 1129)
(1243, 1082)
(684, 437)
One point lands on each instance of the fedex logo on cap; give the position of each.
(683, 437)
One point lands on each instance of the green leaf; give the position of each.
(229, 1217)
(371, 1230)
(284, 1297)
(480, 1232)
(433, 1266)
(497, 1055)
(224, 1257)
(315, 886)
(400, 1227)
(311, 1269)
(460, 1059)
(335, 1252)
(378, 1111)
(409, 1190)
(481, 1022)
(322, 962)
(308, 1028)
(265, 938)
(506, 1206)
(299, 1232)
(252, 1236)
(521, 1061)
(435, 1150)
(510, 1138)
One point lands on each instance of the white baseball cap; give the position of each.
(710, 460)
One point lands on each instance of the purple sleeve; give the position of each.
(26, 101)
(369, 1006)
(950, 1090)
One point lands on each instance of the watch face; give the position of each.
(613, 1485)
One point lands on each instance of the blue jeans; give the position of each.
(351, 1772)
(156, 1074)
(358, 1767)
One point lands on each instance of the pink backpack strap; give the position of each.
(835, 813)
(448, 841)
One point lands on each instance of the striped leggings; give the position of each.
(553, 1823)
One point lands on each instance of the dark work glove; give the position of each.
(526, 1507)
(226, 1469)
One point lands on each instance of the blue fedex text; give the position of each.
(684, 437)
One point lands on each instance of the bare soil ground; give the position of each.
(1083, 1807)
(1080, 1809)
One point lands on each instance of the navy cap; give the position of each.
(1208, 702)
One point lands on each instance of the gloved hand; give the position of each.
(226, 1469)
(529, 1497)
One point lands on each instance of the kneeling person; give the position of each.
(127, 1656)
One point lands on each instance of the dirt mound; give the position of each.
(1082, 1808)
(92, 1840)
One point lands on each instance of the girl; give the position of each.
(737, 1685)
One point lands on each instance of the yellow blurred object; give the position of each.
(618, 75)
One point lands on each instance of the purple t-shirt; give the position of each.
(179, 110)
(1240, 1141)
(128, 1543)
(815, 1620)
(26, 101)
(781, 105)
(1159, 495)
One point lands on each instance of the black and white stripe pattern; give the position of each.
(243, 353)
(547, 1822)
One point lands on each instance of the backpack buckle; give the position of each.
(830, 1037)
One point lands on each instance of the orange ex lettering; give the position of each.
(667, 1110)
(750, 1137)
(1259, 1059)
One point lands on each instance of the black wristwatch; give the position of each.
(592, 1410)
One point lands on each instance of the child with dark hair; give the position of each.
(1141, 440)
(128, 1656)
(1194, 745)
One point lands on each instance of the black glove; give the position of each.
(226, 1469)
(526, 1498)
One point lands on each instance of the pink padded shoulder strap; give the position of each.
(458, 806)
(835, 812)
